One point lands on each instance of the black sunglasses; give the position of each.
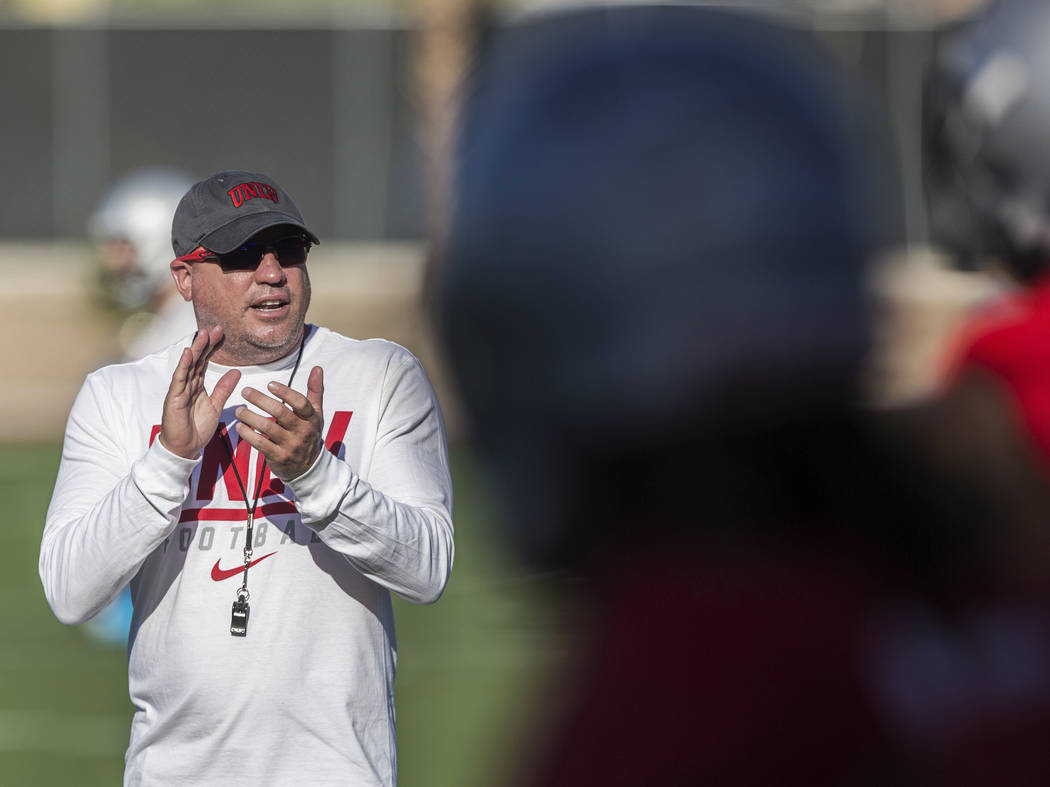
(289, 251)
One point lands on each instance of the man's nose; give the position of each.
(270, 270)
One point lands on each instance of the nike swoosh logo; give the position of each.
(219, 574)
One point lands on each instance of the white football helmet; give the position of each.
(132, 225)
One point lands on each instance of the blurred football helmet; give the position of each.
(985, 130)
(132, 225)
(660, 228)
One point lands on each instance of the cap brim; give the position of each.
(239, 231)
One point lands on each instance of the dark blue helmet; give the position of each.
(661, 222)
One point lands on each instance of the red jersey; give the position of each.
(1011, 340)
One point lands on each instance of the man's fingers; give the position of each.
(259, 423)
(204, 345)
(181, 373)
(200, 341)
(315, 389)
(304, 407)
(224, 387)
(268, 404)
(259, 442)
(292, 398)
(194, 361)
(287, 430)
(214, 335)
(199, 346)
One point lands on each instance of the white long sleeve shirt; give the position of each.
(307, 696)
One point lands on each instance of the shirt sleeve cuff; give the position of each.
(162, 474)
(320, 490)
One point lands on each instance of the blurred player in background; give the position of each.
(131, 228)
(987, 121)
(653, 297)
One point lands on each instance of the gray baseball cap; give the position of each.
(223, 211)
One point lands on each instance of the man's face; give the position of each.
(261, 309)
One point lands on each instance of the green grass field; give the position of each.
(468, 667)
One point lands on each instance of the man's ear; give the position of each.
(183, 276)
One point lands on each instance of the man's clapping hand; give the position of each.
(191, 414)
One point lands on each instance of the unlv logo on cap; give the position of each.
(243, 192)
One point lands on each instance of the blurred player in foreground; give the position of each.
(314, 460)
(652, 294)
(131, 228)
(988, 181)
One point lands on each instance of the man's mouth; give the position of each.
(269, 305)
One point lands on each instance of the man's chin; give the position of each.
(254, 344)
(282, 343)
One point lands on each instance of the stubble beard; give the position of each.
(277, 348)
(244, 348)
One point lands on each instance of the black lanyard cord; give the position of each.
(239, 624)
